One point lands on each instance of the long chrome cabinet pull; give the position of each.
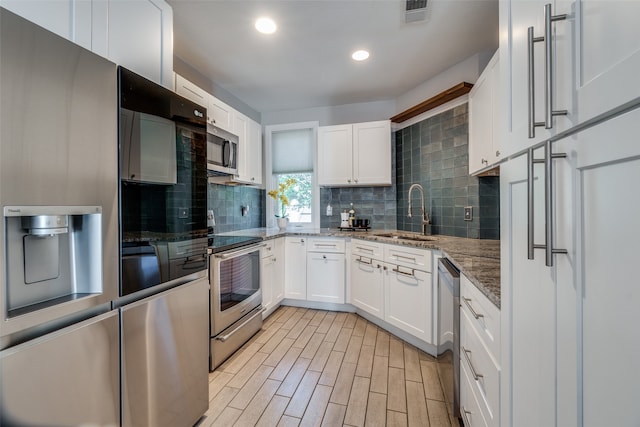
(548, 208)
(397, 270)
(476, 375)
(476, 315)
(360, 260)
(548, 68)
(532, 88)
(548, 73)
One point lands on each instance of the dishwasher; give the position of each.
(449, 327)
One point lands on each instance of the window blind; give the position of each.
(292, 151)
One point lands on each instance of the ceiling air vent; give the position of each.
(415, 10)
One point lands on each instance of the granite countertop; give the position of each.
(477, 259)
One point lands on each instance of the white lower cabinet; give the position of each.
(408, 300)
(479, 357)
(367, 285)
(272, 275)
(325, 277)
(295, 267)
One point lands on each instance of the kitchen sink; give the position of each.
(406, 236)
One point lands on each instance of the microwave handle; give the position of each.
(226, 154)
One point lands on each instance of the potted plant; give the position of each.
(280, 197)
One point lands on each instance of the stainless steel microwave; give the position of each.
(222, 151)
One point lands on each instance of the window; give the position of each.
(300, 196)
(290, 154)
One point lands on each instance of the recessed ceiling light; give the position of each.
(266, 25)
(360, 55)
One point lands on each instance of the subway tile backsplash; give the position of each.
(227, 201)
(435, 154)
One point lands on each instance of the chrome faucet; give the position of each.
(425, 215)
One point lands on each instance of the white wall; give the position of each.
(465, 71)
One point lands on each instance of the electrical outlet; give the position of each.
(468, 213)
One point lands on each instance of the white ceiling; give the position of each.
(307, 62)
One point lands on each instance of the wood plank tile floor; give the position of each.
(320, 368)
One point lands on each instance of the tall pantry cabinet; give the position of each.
(569, 315)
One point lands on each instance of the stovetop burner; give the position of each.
(225, 243)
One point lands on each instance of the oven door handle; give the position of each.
(245, 251)
(225, 337)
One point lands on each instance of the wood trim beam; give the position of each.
(433, 102)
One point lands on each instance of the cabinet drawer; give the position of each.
(469, 406)
(372, 250)
(484, 315)
(419, 259)
(268, 249)
(326, 245)
(483, 372)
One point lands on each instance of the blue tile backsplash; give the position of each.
(227, 201)
(435, 154)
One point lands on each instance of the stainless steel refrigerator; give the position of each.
(59, 336)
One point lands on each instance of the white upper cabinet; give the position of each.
(522, 111)
(140, 38)
(70, 19)
(137, 34)
(253, 153)
(484, 114)
(221, 114)
(355, 154)
(580, 71)
(193, 93)
(607, 37)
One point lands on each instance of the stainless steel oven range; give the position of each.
(236, 298)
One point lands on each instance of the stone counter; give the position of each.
(477, 259)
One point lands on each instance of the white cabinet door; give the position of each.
(372, 153)
(295, 268)
(528, 301)
(367, 285)
(221, 114)
(140, 38)
(70, 19)
(607, 171)
(279, 266)
(254, 153)
(192, 92)
(335, 155)
(481, 121)
(267, 280)
(240, 125)
(516, 16)
(607, 37)
(556, 321)
(326, 277)
(408, 300)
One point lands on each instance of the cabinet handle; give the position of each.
(464, 413)
(405, 257)
(356, 180)
(548, 73)
(370, 262)
(532, 93)
(349, 181)
(404, 273)
(326, 245)
(484, 161)
(324, 257)
(364, 249)
(467, 303)
(548, 210)
(548, 69)
(498, 153)
(476, 375)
